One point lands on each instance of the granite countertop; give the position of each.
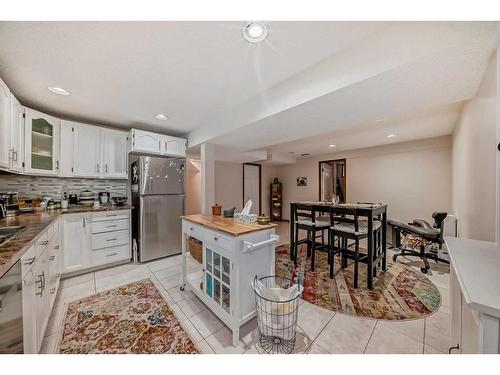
(13, 249)
(227, 225)
(477, 264)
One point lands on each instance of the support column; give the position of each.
(207, 178)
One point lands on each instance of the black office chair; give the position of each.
(428, 234)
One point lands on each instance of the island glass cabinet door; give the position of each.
(217, 280)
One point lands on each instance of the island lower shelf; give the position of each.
(229, 263)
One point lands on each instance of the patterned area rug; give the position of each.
(133, 318)
(400, 293)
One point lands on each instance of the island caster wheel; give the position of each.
(423, 269)
(182, 287)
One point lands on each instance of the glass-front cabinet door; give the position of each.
(218, 278)
(42, 143)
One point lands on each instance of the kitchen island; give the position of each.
(232, 255)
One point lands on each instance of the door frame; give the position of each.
(260, 185)
(319, 175)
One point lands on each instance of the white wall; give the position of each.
(229, 184)
(474, 161)
(193, 186)
(413, 178)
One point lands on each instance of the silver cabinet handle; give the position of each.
(40, 281)
(15, 154)
(57, 164)
(58, 275)
(52, 291)
(97, 169)
(111, 239)
(11, 157)
(216, 239)
(43, 243)
(111, 215)
(83, 222)
(111, 254)
(56, 247)
(52, 257)
(29, 261)
(112, 226)
(106, 167)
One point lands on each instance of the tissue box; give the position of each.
(252, 218)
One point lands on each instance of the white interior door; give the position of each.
(251, 186)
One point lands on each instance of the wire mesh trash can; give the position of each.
(277, 300)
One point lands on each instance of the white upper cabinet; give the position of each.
(41, 143)
(174, 146)
(87, 151)
(146, 142)
(154, 143)
(66, 149)
(114, 151)
(5, 148)
(16, 135)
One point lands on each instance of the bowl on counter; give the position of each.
(119, 201)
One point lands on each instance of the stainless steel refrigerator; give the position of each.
(157, 186)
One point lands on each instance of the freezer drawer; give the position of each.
(160, 231)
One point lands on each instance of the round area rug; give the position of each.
(398, 294)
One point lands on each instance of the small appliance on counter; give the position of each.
(104, 197)
(73, 199)
(119, 201)
(87, 198)
(10, 203)
(29, 203)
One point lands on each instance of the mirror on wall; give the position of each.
(332, 180)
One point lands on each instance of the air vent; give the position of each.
(306, 154)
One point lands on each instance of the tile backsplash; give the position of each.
(55, 186)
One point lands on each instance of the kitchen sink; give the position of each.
(8, 232)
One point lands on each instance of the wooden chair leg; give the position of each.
(295, 247)
(331, 250)
(344, 249)
(313, 251)
(356, 264)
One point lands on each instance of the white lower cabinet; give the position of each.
(95, 239)
(41, 273)
(76, 241)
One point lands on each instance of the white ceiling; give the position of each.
(307, 85)
(122, 73)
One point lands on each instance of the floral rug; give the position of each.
(133, 318)
(399, 293)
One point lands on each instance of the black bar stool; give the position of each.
(346, 224)
(305, 219)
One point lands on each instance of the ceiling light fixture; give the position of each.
(255, 32)
(161, 117)
(391, 135)
(59, 90)
(332, 146)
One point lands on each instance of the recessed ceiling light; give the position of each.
(391, 135)
(161, 116)
(332, 146)
(59, 90)
(255, 32)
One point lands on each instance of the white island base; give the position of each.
(232, 255)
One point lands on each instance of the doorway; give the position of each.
(252, 186)
(332, 180)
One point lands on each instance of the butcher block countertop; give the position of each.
(227, 225)
(13, 249)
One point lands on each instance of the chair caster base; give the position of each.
(182, 287)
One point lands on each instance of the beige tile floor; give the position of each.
(320, 331)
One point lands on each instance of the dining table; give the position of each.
(370, 211)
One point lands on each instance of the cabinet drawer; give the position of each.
(27, 260)
(219, 240)
(110, 239)
(109, 255)
(110, 215)
(109, 225)
(193, 230)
